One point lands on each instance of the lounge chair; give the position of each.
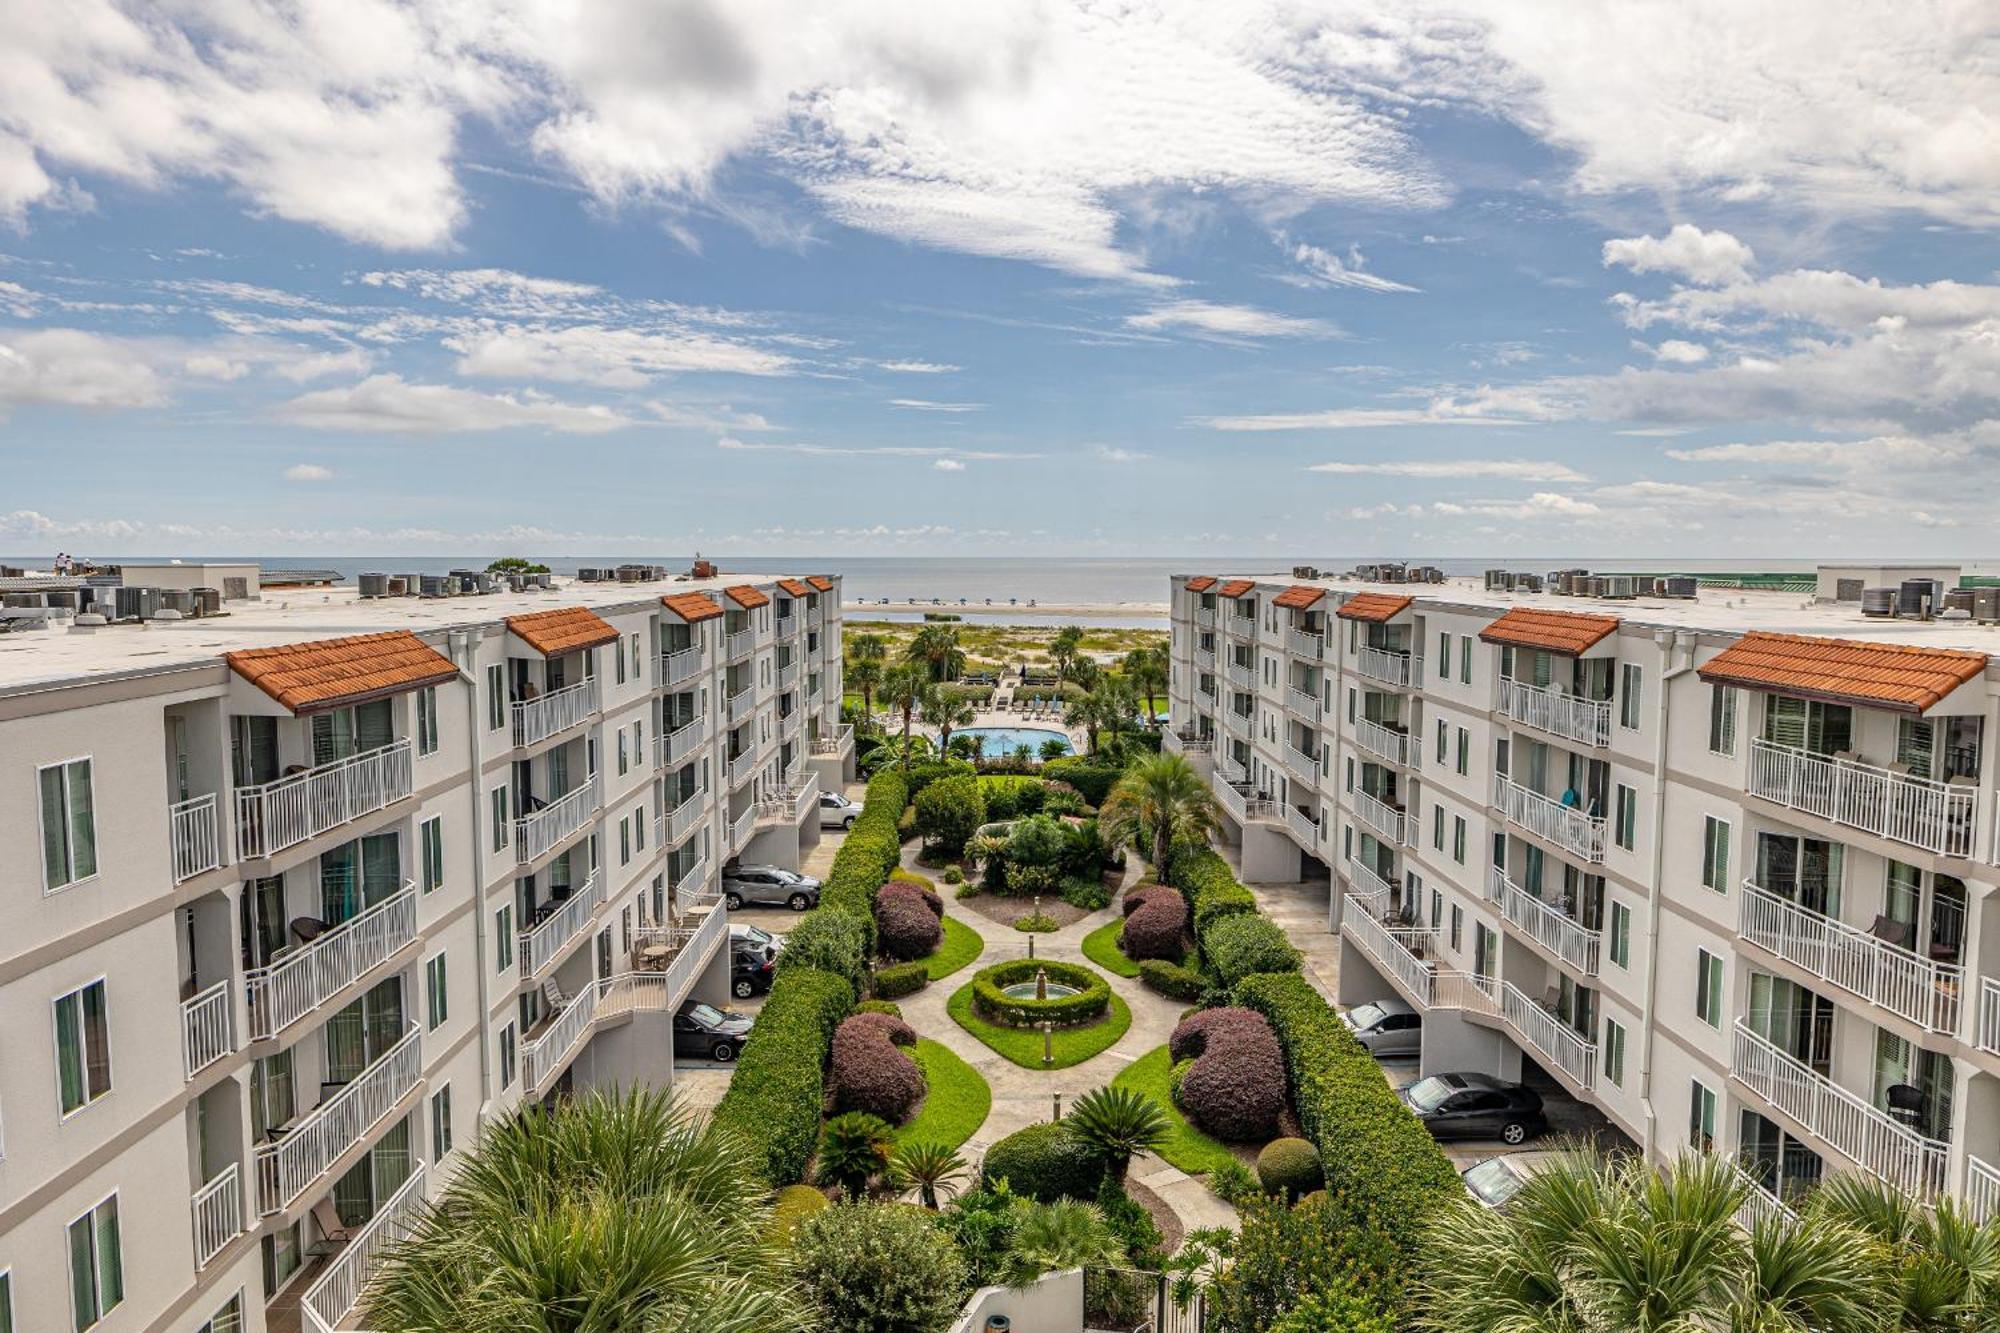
(552, 994)
(333, 1233)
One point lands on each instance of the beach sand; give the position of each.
(1001, 610)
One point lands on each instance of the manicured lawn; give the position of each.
(961, 944)
(1100, 946)
(956, 1104)
(1024, 1045)
(1186, 1147)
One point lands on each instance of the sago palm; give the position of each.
(605, 1215)
(1161, 798)
(853, 1150)
(1944, 1268)
(927, 1168)
(1065, 1234)
(1117, 1123)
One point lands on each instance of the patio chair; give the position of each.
(1898, 933)
(552, 993)
(334, 1234)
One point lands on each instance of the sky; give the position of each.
(1266, 277)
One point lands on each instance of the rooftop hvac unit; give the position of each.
(431, 585)
(1620, 585)
(395, 585)
(373, 585)
(589, 574)
(1498, 580)
(627, 573)
(208, 601)
(1679, 585)
(178, 600)
(63, 598)
(1527, 583)
(1958, 599)
(1918, 597)
(138, 603)
(20, 601)
(542, 580)
(1304, 572)
(1878, 602)
(1986, 605)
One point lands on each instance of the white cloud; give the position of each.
(1881, 452)
(1325, 268)
(1511, 469)
(1712, 258)
(1488, 405)
(389, 404)
(1112, 454)
(1680, 353)
(1228, 321)
(721, 417)
(948, 465)
(927, 405)
(77, 369)
(919, 367)
(308, 472)
(616, 358)
(871, 451)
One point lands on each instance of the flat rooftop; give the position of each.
(43, 659)
(1719, 611)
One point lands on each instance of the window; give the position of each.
(619, 658)
(1715, 854)
(430, 834)
(441, 1124)
(496, 698)
(1621, 934)
(69, 824)
(96, 1277)
(427, 720)
(638, 742)
(639, 828)
(1464, 752)
(1444, 656)
(1458, 839)
(228, 1318)
(1350, 704)
(1708, 988)
(1722, 719)
(1437, 909)
(625, 928)
(1437, 827)
(1457, 925)
(503, 937)
(283, 1256)
(625, 840)
(83, 1047)
(1629, 677)
(501, 823)
(1614, 1052)
(634, 641)
(1444, 740)
(6, 1303)
(1701, 1117)
(621, 748)
(507, 1056)
(1464, 659)
(435, 996)
(1350, 774)
(1626, 804)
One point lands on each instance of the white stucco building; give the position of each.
(1722, 866)
(302, 894)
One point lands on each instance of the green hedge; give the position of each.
(1092, 777)
(1244, 944)
(992, 1003)
(1172, 980)
(1204, 880)
(871, 851)
(779, 1084)
(894, 982)
(1044, 1161)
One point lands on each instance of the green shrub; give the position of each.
(879, 1268)
(1088, 894)
(1044, 1162)
(900, 979)
(935, 770)
(990, 1001)
(972, 888)
(1243, 945)
(1204, 880)
(1173, 980)
(1037, 923)
(1176, 1076)
(888, 1007)
(906, 825)
(1038, 840)
(1084, 853)
(1232, 1183)
(1339, 1310)
(828, 941)
(953, 875)
(949, 812)
(1292, 1258)
(1092, 778)
(792, 1206)
(1290, 1167)
(779, 1084)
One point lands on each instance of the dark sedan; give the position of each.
(751, 971)
(1476, 1106)
(702, 1029)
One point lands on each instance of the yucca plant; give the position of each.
(853, 1150)
(1943, 1268)
(1117, 1123)
(927, 1168)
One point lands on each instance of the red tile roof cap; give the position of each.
(794, 587)
(563, 630)
(1571, 633)
(334, 673)
(693, 607)
(1300, 596)
(1374, 607)
(821, 581)
(1236, 587)
(746, 596)
(1201, 583)
(1876, 675)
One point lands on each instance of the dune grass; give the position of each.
(1100, 946)
(1186, 1147)
(1024, 1045)
(960, 945)
(957, 1101)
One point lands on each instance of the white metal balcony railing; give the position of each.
(834, 741)
(1393, 948)
(683, 819)
(1553, 929)
(1383, 742)
(1758, 1203)
(1302, 702)
(1564, 825)
(1204, 660)
(1204, 616)
(547, 1053)
(679, 745)
(1545, 1030)
(1374, 893)
(1496, 884)
(1379, 815)
(1565, 715)
(1900, 981)
(680, 666)
(192, 833)
(785, 625)
(744, 766)
(1988, 1036)
(1241, 627)
(788, 675)
(692, 884)
(540, 945)
(207, 1027)
(792, 804)
(535, 720)
(1303, 828)
(740, 644)
(1242, 675)
(218, 1214)
(1228, 769)
(1982, 1189)
(1303, 765)
(814, 617)
(1236, 722)
(743, 829)
(1177, 743)
(333, 1297)
(287, 989)
(1452, 989)
(1303, 644)
(1921, 812)
(1205, 689)
(281, 814)
(742, 704)
(1391, 668)
(291, 1165)
(545, 829)
(791, 724)
(1859, 1132)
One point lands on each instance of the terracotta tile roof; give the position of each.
(693, 607)
(821, 581)
(1236, 587)
(1201, 583)
(563, 630)
(1374, 607)
(794, 587)
(1300, 596)
(1877, 675)
(746, 596)
(1571, 633)
(332, 673)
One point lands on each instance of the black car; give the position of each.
(1475, 1106)
(702, 1029)
(751, 971)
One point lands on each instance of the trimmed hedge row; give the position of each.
(1211, 891)
(1173, 981)
(1092, 777)
(1243, 945)
(991, 1002)
(871, 851)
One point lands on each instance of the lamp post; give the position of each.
(1058, 1105)
(1049, 1049)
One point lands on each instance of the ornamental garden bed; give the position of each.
(1027, 992)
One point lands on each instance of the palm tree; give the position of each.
(1117, 1123)
(1944, 1267)
(947, 711)
(854, 1149)
(1063, 650)
(1065, 1234)
(865, 676)
(927, 1168)
(1146, 668)
(603, 1214)
(1162, 798)
(905, 688)
(936, 646)
(1107, 706)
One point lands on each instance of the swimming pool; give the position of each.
(1000, 741)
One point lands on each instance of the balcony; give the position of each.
(814, 617)
(289, 988)
(742, 705)
(1204, 616)
(1242, 676)
(1759, 1203)
(742, 829)
(1228, 770)
(1564, 715)
(789, 805)
(739, 645)
(218, 1214)
(1379, 815)
(1545, 1031)
(1465, 990)
(535, 720)
(332, 1298)
(835, 741)
(1988, 1036)
(192, 834)
(1236, 722)
(1555, 931)
(1173, 742)
(1241, 627)
(1303, 828)
(1302, 644)
(791, 724)
(541, 945)
(786, 626)
(678, 746)
(1369, 889)
(1304, 703)
(544, 830)
(1846, 1123)
(1302, 764)
(788, 676)
(289, 1167)
(1919, 812)
(1206, 690)
(1566, 826)
(1244, 809)
(744, 766)
(281, 814)
(1397, 951)
(1496, 884)
(683, 819)
(1382, 741)
(692, 886)
(548, 1052)
(1982, 1190)
(1391, 668)
(678, 668)
(1924, 992)
(207, 1028)
(1204, 659)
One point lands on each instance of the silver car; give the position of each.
(1495, 1181)
(1386, 1027)
(769, 886)
(836, 811)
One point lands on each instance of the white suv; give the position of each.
(836, 811)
